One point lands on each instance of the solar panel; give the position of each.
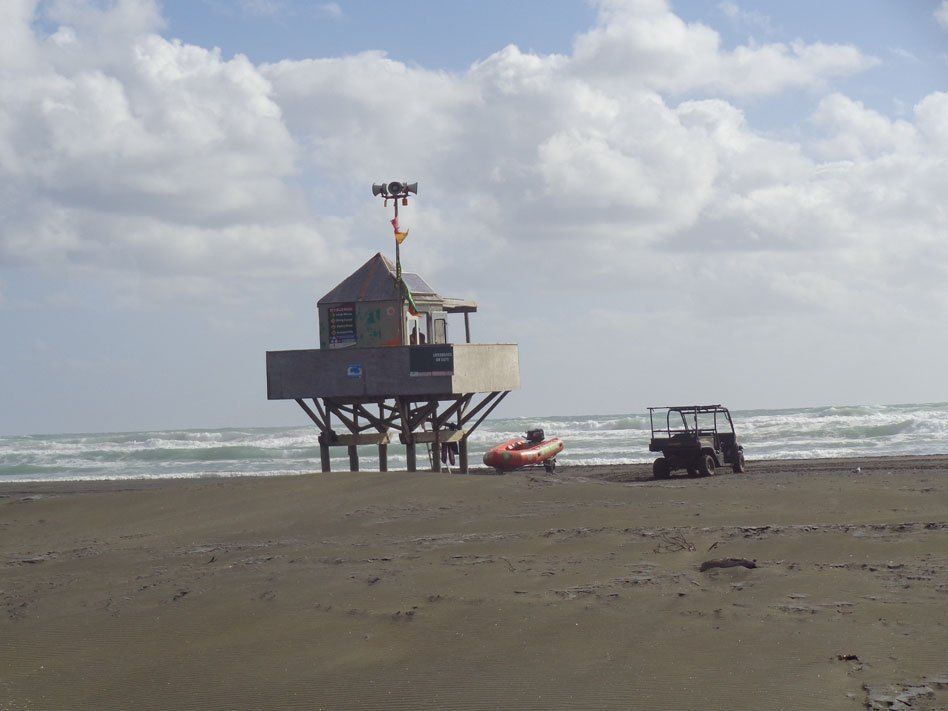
(417, 285)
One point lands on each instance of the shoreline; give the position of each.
(636, 471)
(423, 591)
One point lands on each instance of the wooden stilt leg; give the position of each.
(353, 449)
(436, 445)
(410, 451)
(383, 448)
(324, 457)
(462, 455)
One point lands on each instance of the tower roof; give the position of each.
(373, 281)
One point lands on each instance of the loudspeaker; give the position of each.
(378, 189)
(395, 188)
(411, 188)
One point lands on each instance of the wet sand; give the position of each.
(579, 590)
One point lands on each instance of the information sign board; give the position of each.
(431, 360)
(342, 325)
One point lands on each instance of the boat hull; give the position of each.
(516, 453)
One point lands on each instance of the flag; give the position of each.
(399, 235)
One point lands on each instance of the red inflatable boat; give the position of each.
(523, 452)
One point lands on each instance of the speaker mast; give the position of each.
(396, 191)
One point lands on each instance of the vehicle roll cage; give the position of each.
(692, 411)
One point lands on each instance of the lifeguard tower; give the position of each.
(386, 363)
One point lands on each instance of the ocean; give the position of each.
(863, 430)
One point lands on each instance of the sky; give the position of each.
(737, 202)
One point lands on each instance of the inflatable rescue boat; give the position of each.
(526, 451)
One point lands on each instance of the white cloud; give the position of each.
(131, 153)
(941, 14)
(905, 55)
(119, 148)
(752, 19)
(330, 9)
(860, 133)
(263, 8)
(643, 43)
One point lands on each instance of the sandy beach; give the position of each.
(579, 590)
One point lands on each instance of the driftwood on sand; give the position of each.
(727, 563)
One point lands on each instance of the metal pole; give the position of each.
(398, 275)
(398, 257)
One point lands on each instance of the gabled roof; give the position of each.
(373, 281)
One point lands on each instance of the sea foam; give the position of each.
(839, 431)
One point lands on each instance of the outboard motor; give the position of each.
(535, 435)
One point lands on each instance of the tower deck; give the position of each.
(425, 393)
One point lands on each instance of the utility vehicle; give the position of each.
(697, 438)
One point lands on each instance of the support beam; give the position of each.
(462, 455)
(422, 413)
(467, 327)
(322, 413)
(436, 442)
(353, 449)
(333, 409)
(404, 420)
(352, 440)
(489, 410)
(477, 408)
(377, 422)
(374, 422)
(458, 404)
(441, 435)
(383, 448)
(312, 416)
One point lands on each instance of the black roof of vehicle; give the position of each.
(695, 408)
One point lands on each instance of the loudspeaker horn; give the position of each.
(378, 189)
(411, 188)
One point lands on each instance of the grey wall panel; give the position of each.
(380, 372)
(482, 367)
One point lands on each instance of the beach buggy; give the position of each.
(697, 438)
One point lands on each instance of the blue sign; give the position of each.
(354, 370)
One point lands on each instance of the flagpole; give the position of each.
(396, 191)
(398, 254)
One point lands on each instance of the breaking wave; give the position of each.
(840, 431)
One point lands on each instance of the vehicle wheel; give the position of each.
(740, 466)
(660, 468)
(706, 465)
(550, 466)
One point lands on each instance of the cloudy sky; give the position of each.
(743, 202)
